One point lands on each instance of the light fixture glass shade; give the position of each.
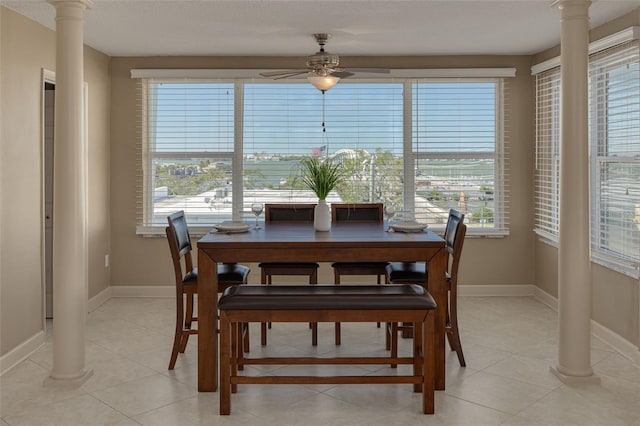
(323, 82)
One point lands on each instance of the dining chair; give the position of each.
(369, 212)
(416, 273)
(187, 282)
(288, 213)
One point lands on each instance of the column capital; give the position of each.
(562, 4)
(85, 4)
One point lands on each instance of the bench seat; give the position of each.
(327, 303)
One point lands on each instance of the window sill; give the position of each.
(626, 268)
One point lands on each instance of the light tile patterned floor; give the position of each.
(509, 344)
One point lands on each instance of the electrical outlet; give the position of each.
(106, 260)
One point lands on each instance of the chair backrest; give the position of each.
(179, 244)
(289, 212)
(454, 237)
(371, 212)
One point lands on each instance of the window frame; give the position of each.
(601, 110)
(145, 200)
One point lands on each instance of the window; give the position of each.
(614, 138)
(188, 150)
(213, 147)
(547, 160)
(614, 115)
(458, 153)
(361, 124)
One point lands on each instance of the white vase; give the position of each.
(322, 216)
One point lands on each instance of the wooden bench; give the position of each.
(327, 303)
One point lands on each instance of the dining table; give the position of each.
(300, 242)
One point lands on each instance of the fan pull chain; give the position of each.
(324, 129)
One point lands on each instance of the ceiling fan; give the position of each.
(322, 68)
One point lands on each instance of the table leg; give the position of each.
(207, 323)
(437, 286)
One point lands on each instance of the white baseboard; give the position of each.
(21, 352)
(609, 337)
(496, 290)
(617, 342)
(546, 298)
(143, 291)
(96, 301)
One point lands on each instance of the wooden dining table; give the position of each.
(299, 242)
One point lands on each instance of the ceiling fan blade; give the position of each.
(370, 70)
(342, 74)
(293, 74)
(283, 72)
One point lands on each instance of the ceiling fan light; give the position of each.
(323, 83)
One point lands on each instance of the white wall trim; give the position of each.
(496, 290)
(609, 337)
(617, 342)
(631, 33)
(143, 291)
(21, 352)
(96, 301)
(546, 298)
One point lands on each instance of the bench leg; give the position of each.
(428, 356)
(225, 364)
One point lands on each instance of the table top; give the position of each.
(358, 241)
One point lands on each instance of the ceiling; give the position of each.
(284, 27)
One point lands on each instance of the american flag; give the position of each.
(318, 151)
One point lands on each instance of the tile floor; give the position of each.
(509, 344)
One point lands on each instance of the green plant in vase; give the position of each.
(321, 176)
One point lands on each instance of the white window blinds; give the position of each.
(214, 147)
(188, 143)
(614, 116)
(547, 160)
(459, 152)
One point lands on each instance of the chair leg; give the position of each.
(236, 352)
(378, 279)
(336, 280)
(313, 279)
(454, 329)
(188, 317)
(394, 342)
(245, 332)
(237, 342)
(177, 339)
(387, 336)
(263, 326)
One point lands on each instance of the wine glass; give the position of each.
(389, 212)
(256, 208)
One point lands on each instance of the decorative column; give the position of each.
(70, 272)
(574, 263)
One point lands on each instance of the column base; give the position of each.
(68, 381)
(575, 380)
